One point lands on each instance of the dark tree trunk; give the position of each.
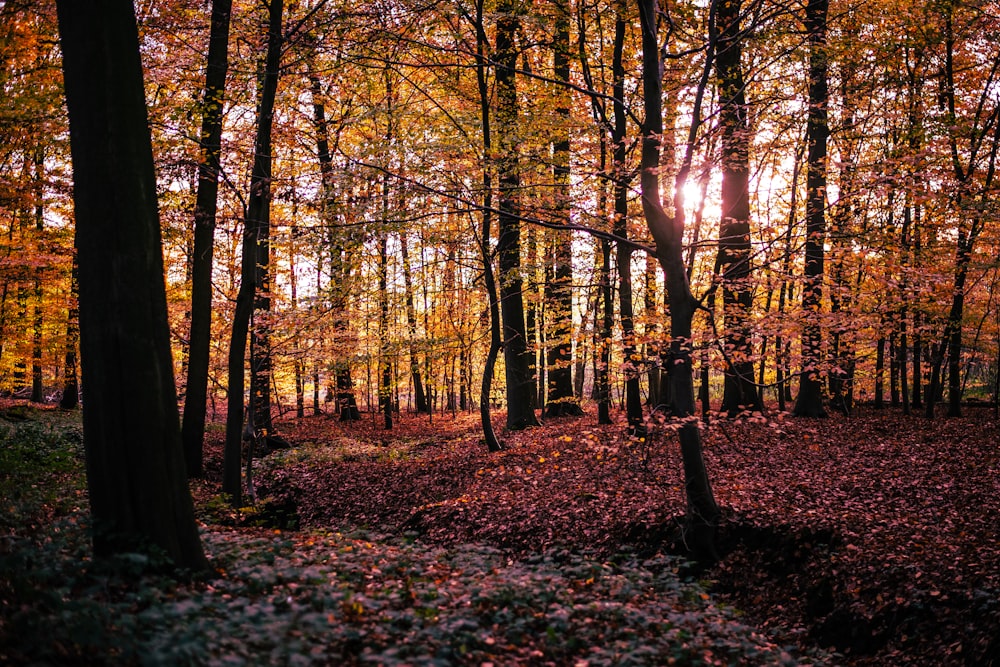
(782, 366)
(623, 253)
(893, 371)
(37, 389)
(520, 413)
(256, 225)
(496, 336)
(71, 382)
(135, 464)
(419, 397)
(346, 402)
(385, 351)
(740, 393)
(880, 374)
(559, 288)
(702, 510)
(206, 203)
(809, 402)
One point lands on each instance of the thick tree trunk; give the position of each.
(135, 464)
(520, 413)
(739, 393)
(809, 402)
(559, 287)
(206, 204)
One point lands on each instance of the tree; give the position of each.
(256, 221)
(135, 464)
(740, 392)
(623, 251)
(342, 246)
(520, 413)
(667, 231)
(199, 339)
(809, 402)
(559, 285)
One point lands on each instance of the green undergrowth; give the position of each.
(41, 466)
(359, 598)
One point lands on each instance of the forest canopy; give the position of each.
(402, 131)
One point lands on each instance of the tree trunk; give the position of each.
(520, 413)
(740, 393)
(623, 252)
(347, 404)
(256, 222)
(385, 351)
(702, 510)
(71, 384)
(559, 287)
(135, 464)
(420, 399)
(809, 402)
(206, 204)
(880, 374)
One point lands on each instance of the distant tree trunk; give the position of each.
(496, 335)
(623, 253)
(809, 402)
(974, 181)
(842, 295)
(702, 510)
(603, 376)
(559, 287)
(299, 367)
(38, 195)
(520, 413)
(604, 320)
(893, 371)
(256, 223)
(206, 204)
(71, 384)
(346, 402)
(782, 366)
(420, 399)
(740, 393)
(135, 464)
(385, 351)
(880, 373)
(261, 366)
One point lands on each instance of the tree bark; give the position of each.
(702, 510)
(135, 464)
(739, 391)
(71, 383)
(520, 413)
(809, 402)
(256, 225)
(496, 335)
(206, 205)
(419, 396)
(623, 252)
(561, 399)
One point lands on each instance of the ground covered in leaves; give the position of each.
(869, 540)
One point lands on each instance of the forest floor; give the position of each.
(870, 540)
(875, 536)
